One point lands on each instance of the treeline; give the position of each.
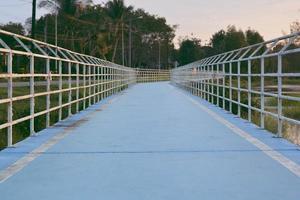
(111, 31)
(222, 41)
(232, 38)
(126, 35)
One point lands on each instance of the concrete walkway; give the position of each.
(153, 142)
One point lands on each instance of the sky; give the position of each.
(201, 18)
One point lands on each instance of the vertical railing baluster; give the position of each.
(32, 100)
(94, 83)
(201, 81)
(98, 84)
(218, 85)
(106, 82)
(102, 82)
(84, 86)
(262, 91)
(223, 83)
(111, 82)
(239, 87)
(249, 92)
(198, 81)
(48, 91)
(77, 86)
(205, 79)
(114, 81)
(279, 98)
(90, 87)
(70, 88)
(212, 84)
(230, 87)
(60, 90)
(9, 96)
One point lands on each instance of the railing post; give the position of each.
(230, 87)
(77, 85)
(98, 84)
(115, 81)
(262, 91)
(279, 99)
(10, 104)
(105, 80)
(48, 90)
(102, 82)
(198, 82)
(201, 83)
(218, 85)
(205, 85)
(212, 82)
(90, 80)
(32, 132)
(249, 92)
(94, 83)
(60, 90)
(70, 88)
(109, 81)
(239, 88)
(84, 86)
(223, 82)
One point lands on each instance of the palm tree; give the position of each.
(66, 7)
(116, 10)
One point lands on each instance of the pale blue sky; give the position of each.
(200, 17)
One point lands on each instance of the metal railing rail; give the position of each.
(82, 79)
(229, 79)
(152, 75)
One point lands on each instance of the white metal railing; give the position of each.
(76, 81)
(152, 75)
(246, 80)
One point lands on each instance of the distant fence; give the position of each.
(260, 83)
(72, 82)
(152, 75)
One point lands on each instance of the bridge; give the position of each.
(99, 130)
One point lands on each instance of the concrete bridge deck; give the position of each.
(155, 142)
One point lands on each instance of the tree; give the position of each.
(14, 28)
(253, 37)
(68, 7)
(96, 30)
(190, 51)
(218, 41)
(234, 39)
(223, 41)
(116, 10)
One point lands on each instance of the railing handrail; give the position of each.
(94, 78)
(218, 78)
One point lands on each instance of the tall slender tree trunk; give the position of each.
(116, 43)
(115, 49)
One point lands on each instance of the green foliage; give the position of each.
(232, 38)
(253, 37)
(222, 41)
(189, 51)
(97, 30)
(14, 28)
(218, 41)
